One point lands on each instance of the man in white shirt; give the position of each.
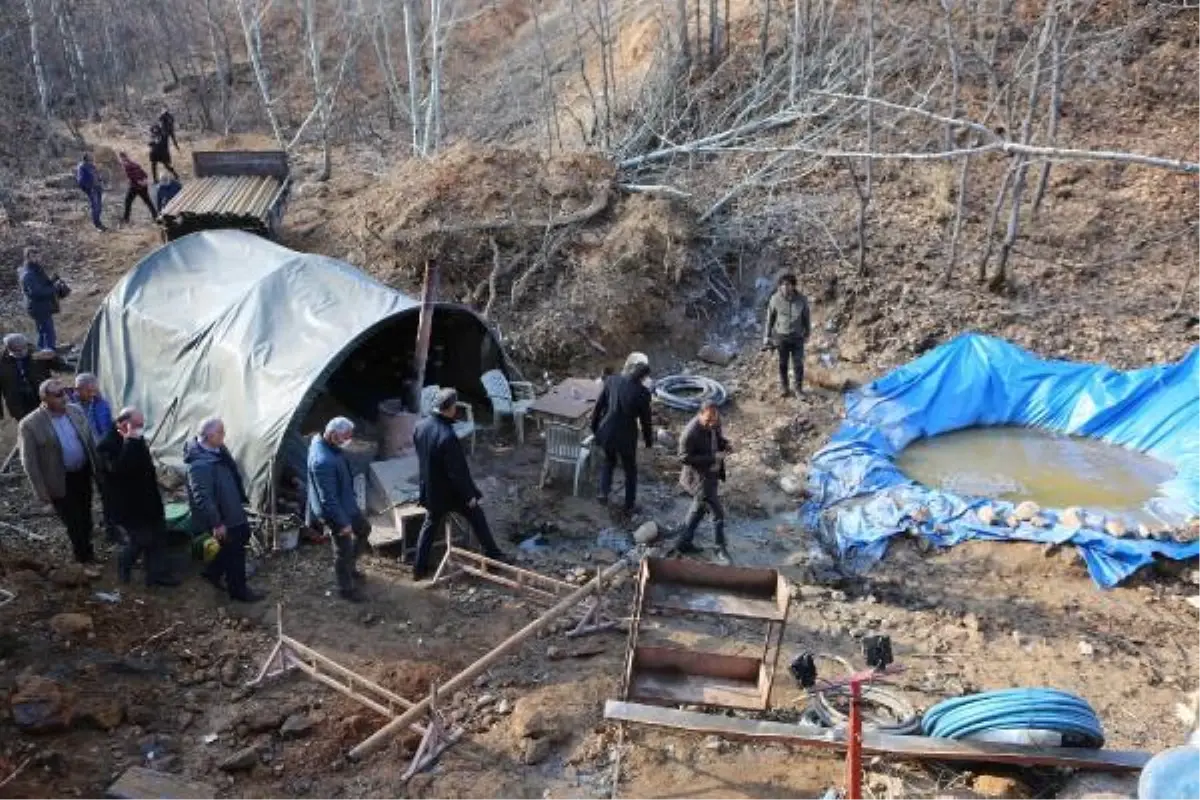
(59, 456)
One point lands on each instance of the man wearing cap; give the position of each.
(137, 506)
(20, 376)
(331, 502)
(446, 484)
(59, 457)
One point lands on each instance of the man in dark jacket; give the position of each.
(218, 503)
(787, 330)
(166, 121)
(160, 152)
(87, 178)
(702, 449)
(135, 504)
(446, 485)
(41, 298)
(624, 403)
(20, 376)
(331, 502)
(139, 186)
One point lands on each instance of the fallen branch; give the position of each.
(155, 637)
(16, 772)
(637, 188)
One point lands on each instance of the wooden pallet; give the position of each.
(675, 675)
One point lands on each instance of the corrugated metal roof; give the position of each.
(242, 196)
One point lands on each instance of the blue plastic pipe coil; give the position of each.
(1016, 709)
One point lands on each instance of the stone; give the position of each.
(1040, 522)
(714, 743)
(140, 715)
(716, 354)
(1026, 511)
(791, 484)
(71, 626)
(1072, 518)
(646, 533)
(1086, 648)
(1114, 527)
(243, 759)
(40, 705)
(69, 575)
(101, 711)
(986, 514)
(297, 726)
(229, 673)
(137, 782)
(535, 750)
(263, 720)
(999, 786)
(664, 438)
(504, 707)
(1012, 521)
(1100, 786)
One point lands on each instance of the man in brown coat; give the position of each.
(59, 456)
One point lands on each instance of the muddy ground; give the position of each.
(159, 673)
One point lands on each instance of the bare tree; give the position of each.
(250, 17)
(39, 69)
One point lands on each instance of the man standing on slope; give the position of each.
(624, 403)
(787, 330)
(139, 186)
(331, 501)
(87, 177)
(446, 484)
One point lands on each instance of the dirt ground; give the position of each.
(162, 671)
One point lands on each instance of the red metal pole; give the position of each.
(854, 744)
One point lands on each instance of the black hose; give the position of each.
(688, 392)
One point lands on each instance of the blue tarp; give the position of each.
(976, 380)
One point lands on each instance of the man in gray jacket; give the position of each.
(218, 503)
(59, 456)
(331, 502)
(702, 449)
(787, 330)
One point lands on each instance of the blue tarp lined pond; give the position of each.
(972, 385)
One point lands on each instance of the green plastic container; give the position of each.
(179, 517)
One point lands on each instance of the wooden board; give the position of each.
(138, 782)
(920, 748)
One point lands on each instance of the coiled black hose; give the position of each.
(687, 392)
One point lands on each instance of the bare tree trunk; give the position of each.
(685, 49)
(1000, 276)
(714, 27)
(220, 66)
(864, 195)
(551, 102)
(250, 25)
(993, 220)
(433, 110)
(956, 224)
(794, 66)
(685, 55)
(39, 69)
(955, 77)
(1055, 112)
(764, 34)
(414, 88)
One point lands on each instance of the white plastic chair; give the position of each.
(509, 398)
(464, 425)
(566, 445)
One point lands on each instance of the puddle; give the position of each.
(1052, 470)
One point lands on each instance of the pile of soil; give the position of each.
(545, 246)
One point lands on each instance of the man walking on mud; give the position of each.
(787, 330)
(702, 449)
(331, 503)
(139, 186)
(624, 403)
(88, 179)
(446, 484)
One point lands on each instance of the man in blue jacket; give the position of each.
(87, 177)
(446, 483)
(41, 298)
(331, 502)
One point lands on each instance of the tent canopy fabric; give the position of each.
(976, 380)
(228, 324)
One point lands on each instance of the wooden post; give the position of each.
(469, 674)
(424, 329)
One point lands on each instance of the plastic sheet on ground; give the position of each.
(976, 380)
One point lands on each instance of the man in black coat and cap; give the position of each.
(134, 503)
(624, 402)
(446, 483)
